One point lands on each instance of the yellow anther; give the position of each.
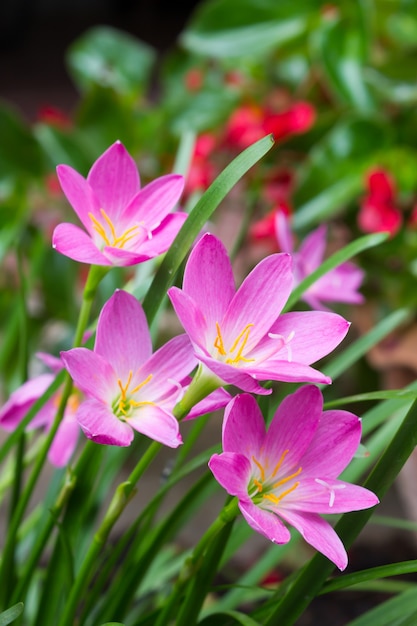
(218, 342)
(124, 404)
(238, 344)
(261, 468)
(111, 238)
(258, 484)
(280, 462)
(287, 478)
(275, 499)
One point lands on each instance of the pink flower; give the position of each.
(125, 224)
(127, 387)
(290, 472)
(341, 284)
(23, 398)
(240, 336)
(378, 212)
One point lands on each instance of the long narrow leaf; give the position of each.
(339, 257)
(199, 215)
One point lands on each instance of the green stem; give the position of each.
(193, 563)
(202, 385)
(121, 497)
(313, 576)
(94, 277)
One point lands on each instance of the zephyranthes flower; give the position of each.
(127, 386)
(125, 224)
(290, 472)
(340, 284)
(240, 336)
(22, 399)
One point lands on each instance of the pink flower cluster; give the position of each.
(236, 337)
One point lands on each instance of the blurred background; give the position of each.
(35, 34)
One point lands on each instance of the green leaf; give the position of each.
(340, 49)
(246, 28)
(215, 619)
(8, 616)
(107, 57)
(196, 220)
(392, 612)
(334, 172)
(20, 155)
(392, 394)
(374, 573)
(362, 345)
(336, 259)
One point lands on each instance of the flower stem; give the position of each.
(313, 576)
(122, 495)
(192, 566)
(202, 385)
(93, 279)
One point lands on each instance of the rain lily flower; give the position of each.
(23, 398)
(340, 284)
(289, 473)
(378, 212)
(240, 336)
(127, 387)
(125, 224)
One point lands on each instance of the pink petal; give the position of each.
(74, 243)
(79, 194)
(123, 337)
(163, 235)
(334, 444)
(52, 362)
(154, 422)
(102, 426)
(232, 472)
(208, 279)
(264, 522)
(243, 426)
(293, 427)
(168, 366)
(259, 300)
(288, 372)
(312, 250)
(319, 534)
(283, 232)
(115, 180)
(64, 443)
(218, 399)
(91, 373)
(20, 401)
(153, 203)
(239, 377)
(327, 495)
(124, 258)
(314, 334)
(190, 316)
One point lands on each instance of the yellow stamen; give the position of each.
(275, 499)
(124, 404)
(240, 342)
(218, 343)
(142, 384)
(280, 462)
(261, 469)
(258, 484)
(287, 478)
(113, 241)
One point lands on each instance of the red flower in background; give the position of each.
(201, 173)
(251, 122)
(53, 116)
(277, 191)
(378, 212)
